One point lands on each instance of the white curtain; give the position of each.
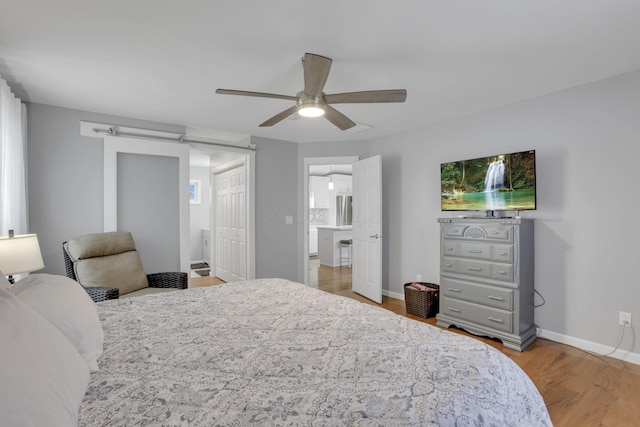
(13, 192)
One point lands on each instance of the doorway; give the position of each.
(320, 212)
(214, 207)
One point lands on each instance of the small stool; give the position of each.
(345, 243)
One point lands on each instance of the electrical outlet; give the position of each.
(418, 278)
(624, 319)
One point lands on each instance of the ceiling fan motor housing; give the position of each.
(309, 105)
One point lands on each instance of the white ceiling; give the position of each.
(162, 60)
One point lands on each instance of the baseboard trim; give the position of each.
(391, 294)
(590, 346)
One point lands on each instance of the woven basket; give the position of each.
(422, 303)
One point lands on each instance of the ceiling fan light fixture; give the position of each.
(310, 111)
(310, 106)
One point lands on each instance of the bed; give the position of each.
(276, 352)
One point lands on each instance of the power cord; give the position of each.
(543, 300)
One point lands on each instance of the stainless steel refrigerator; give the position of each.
(343, 210)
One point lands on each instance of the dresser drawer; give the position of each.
(488, 316)
(474, 268)
(499, 232)
(475, 250)
(482, 294)
(503, 253)
(454, 230)
(448, 264)
(449, 248)
(502, 272)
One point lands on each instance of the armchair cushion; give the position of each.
(107, 259)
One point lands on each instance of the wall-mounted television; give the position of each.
(504, 182)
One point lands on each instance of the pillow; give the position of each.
(64, 303)
(4, 283)
(123, 271)
(44, 379)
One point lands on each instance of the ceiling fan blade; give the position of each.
(392, 95)
(316, 71)
(256, 94)
(341, 121)
(279, 117)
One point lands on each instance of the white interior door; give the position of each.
(231, 225)
(367, 228)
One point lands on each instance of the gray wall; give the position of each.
(149, 207)
(65, 176)
(276, 198)
(200, 214)
(587, 149)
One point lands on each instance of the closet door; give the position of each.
(231, 225)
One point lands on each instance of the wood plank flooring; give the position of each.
(579, 388)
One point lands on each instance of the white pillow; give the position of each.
(4, 283)
(64, 303)
(44, 379)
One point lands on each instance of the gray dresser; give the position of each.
(486, 278)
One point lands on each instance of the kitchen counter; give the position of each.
(329, 244)
(335, 227)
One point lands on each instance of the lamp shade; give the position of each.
(20, 254)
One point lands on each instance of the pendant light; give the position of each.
(330, 179)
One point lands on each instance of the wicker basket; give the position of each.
(422, 303)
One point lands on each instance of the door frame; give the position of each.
(249, 161)
(308, 161)
(118, 144)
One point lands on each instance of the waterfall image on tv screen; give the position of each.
(494, 183)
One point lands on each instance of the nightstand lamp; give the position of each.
(20, 254)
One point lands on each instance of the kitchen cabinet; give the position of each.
(318, 192)
(313, 241)
(342, 184)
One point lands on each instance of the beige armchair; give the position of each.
(108, 266)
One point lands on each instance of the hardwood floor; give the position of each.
(579, 388)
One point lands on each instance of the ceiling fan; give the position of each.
(313, 102)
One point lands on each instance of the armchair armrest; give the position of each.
(168, 280)
(102, 293)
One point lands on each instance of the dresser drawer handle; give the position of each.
(454, 289)
(474, 268)
(449, 265)
(457, 310)
(494, 319)
(494, 233)
(504, 273)
(496, 298)
(503, 254)
(475, 251)
(449, 249)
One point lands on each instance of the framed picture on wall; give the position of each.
(194, 191)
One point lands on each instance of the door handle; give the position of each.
(375, 236)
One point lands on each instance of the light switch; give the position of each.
(288, 219)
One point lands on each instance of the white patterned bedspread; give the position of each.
(275, 352)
